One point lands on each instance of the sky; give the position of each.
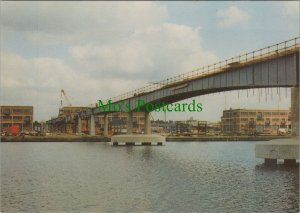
(97, 50)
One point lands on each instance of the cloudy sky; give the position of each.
(95, 50)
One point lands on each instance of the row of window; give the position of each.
(266, 126)
(19, 118)
(16, 111)
(228, 114)
(267, 119)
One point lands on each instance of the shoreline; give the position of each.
(107, 139)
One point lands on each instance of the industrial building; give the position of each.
(255, 121)
(117, 122)
(21, 116)
(60, 124)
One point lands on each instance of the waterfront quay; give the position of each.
(76, 138)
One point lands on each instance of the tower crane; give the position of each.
(62, 93)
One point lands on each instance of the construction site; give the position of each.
(67, 120)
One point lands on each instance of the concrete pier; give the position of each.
(105, 133)
(140, 139)
(147, 123)
(129, 123)
(79, 125)
(295, 111)
(285, 149)
(92, 125)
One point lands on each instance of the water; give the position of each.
(178, 177)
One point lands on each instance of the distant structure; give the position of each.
(196, 127)
(117, 122)
(255, 121)
(20, 116)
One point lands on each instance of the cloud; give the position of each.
(154, 52)
(107, 48)
(79, 22)
(232, 16)
(291, 8)
(37, 82)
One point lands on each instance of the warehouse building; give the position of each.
(255, 121)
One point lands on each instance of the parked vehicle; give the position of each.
(281, 131)
(14, 130)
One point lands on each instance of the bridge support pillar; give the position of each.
(295, 111)
(92, 125)
(129, 123)
(105, 125)
(79, 125)
(147, 123)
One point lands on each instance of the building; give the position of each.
(161, 126)
(21, 116)
(60, 124)
(117, 122)
(254, 121)
(196, 127)
(69, 110)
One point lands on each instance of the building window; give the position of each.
(28, 111)
(259, 128)
(259, 116)
(267, 114)
(17, 111)
(268, 123)
(282, 123)
(6, 117)
(244, 113)
(244, 119)
(17, 118)
(27, 118)
(6, 111)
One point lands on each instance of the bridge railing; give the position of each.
(250, 57)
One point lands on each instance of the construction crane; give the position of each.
(92, 105)
(62, 93)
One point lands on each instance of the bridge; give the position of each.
(273, 66)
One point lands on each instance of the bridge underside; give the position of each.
(278, 72)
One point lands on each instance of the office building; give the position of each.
(21, 116)
(254, 121)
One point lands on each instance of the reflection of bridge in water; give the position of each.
(272, 66)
